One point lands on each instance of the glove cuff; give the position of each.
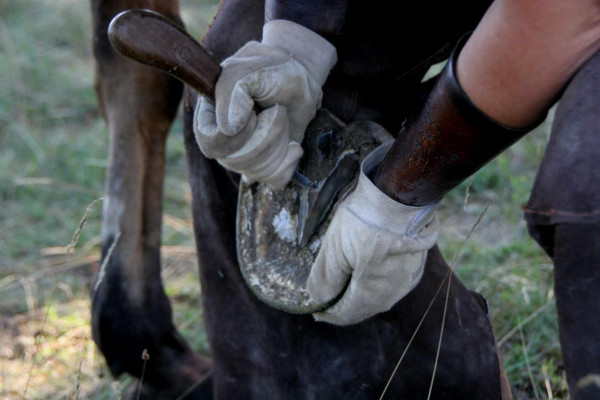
(374, 207)
(315, 53)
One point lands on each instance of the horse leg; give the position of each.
(260, 352)
(131, 314)
(230, 314)
(577, 286)
(563, 215)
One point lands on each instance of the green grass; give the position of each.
(504, 264)
(53, 149)
(53, 158)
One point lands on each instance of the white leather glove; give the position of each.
(374, 247)
(283, 74)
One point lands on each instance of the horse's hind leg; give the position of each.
(130, 312)
(563, 215)
(577, 286)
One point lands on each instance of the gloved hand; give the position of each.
(283, 74)
(375, 248)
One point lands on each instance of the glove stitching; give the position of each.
(421, 215)
(375, 225)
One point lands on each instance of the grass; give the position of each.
(53, 148)
(505, 265)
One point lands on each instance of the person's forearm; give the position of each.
(522, 54)
(508, 74)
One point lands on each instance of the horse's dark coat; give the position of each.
(563, 215)
(259, 352)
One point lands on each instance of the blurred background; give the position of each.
(53, 159)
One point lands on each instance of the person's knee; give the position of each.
(543, 235)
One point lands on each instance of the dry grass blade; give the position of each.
(437, 354)
(77, 390)
(29, 298)
(178, 224)
(589, 380)
(53, 268)
(527, 320)
(38, 342)
(448, 274)
(44, 181)
(413, 336)
(192, 387)
(102, 271)
(547, 383)
(456, 254)
(468, 192)
(145, 357)
(86, 215)
(529, 372)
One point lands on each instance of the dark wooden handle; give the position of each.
(152, 39)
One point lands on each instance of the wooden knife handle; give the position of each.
(152, 39)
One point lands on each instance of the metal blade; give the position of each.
(343, 173)
(303, 181)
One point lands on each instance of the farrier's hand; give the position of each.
(282, 75)
(374, 248)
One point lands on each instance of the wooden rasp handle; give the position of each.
(152, 39)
